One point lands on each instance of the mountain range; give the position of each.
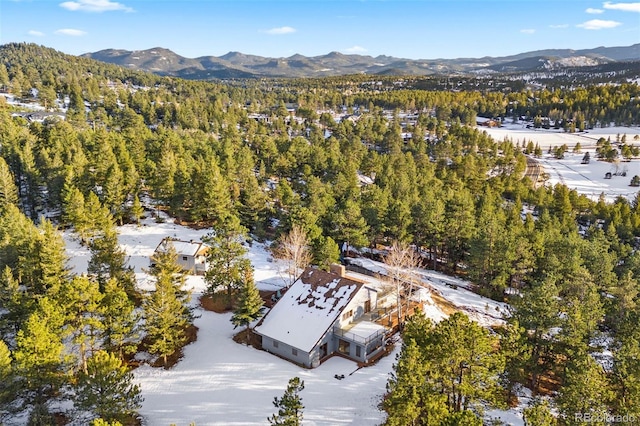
(239, 65)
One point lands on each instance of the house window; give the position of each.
(344, 347)
(323, 351)
(358, 351)
(347, 315)
(294, 351)
(275, 343)
(184, 258)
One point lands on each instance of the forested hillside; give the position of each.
(350, 159)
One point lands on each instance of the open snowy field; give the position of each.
(588, 179)
(220, 382)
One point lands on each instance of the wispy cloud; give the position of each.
(598, 24)
(35, 33)
(527, 31)
(625, 7)
(96, 6)
(281, 31)
(559, 26)
(355, 49)
(70, 32)
(593, 11)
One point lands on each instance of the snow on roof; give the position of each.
(308, 308)
(184, 248)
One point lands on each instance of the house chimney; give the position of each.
(337, 269)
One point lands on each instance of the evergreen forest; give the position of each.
(402, 164)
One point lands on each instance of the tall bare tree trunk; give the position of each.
(294, 250)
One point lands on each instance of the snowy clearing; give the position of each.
(587, 179)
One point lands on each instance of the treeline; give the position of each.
(572, 339)
(27, 66)
(71, 338)
(199, 152)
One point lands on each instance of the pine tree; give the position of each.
(98, 217)
(107, 389)
(4, 76)
(487, 266)
(538, 413)
(6, 379)
(30, 177)
(166, 312)
(290, 405)
(8, 189)
(459, 223)
(17, 305)
(581, 309)
(40, 363)
(163, 177)
(585, 392)
(253, 205)
(249, 305)
(464, 364)
(53, 261)
(325, 252)
(73, 210)
(227, 264)
(211, 199)
(107, 260)
(137, 210)
(349, 225)
(406, 402)
(514, 348)
(537, 312)
(114, 191)
(430, 223)
(119, 320)
(19, 240)
(462, 418)
(80, 299)
(626, 367)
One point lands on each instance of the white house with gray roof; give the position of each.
(324, 313)
(192, 255)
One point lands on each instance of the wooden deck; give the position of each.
(390, 318)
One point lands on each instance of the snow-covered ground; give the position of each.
(588, 179)
(220, 382)
(485, 311)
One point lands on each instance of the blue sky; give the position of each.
(416, 29)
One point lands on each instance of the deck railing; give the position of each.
(358, 339)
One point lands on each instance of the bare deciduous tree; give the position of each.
(401, 260)
(293, 250)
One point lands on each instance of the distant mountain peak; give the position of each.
(163, 61)
(232, 54)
